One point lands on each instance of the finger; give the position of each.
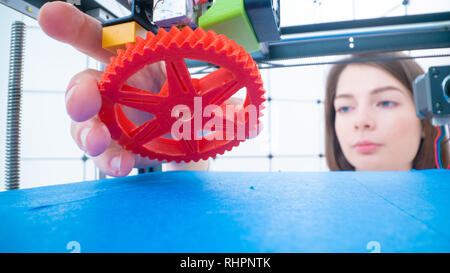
(115, 161)
(83, 100)
(91, 136)
(64, 22)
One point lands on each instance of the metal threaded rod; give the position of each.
(12, 162)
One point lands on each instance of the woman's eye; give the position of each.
(343, 109)
(387, 104)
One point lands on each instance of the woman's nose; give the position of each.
(364, 121)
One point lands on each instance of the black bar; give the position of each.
(237, 262)
(363, 44)
(376, 22)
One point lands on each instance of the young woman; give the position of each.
(371, 122)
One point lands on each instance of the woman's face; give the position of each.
(376, 122)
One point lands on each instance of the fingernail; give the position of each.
(116, 163)
(105, 128)
(83, 135)
(69, 93)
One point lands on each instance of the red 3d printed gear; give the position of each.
(236, 70)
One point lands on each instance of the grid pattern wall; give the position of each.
(292, 135)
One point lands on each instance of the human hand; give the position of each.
(65, 23)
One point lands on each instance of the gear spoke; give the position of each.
(179, 78)
(189, 146)
(149, 131)
(139, 99)
(221, 90)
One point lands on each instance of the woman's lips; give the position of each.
(366, 147)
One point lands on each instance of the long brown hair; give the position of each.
(405, 70)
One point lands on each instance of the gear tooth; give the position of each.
(241, 56)
(130, 46)
(128, 52)
(104, 76)
(118, 69)
(232, 47)
(129, 60)
(175, 36)
(187, 31)
(113, 71)
(174, 31)
(183, 35)
(151, 42)
(208, 39)
(165, 41)
(194, 37)
(139, 40)
(255, 73)
(104, 81)
(110, 67)
(258, 79)
(140, 43)
(212, 32)
(119, 62)
(120, 53)
(199, 31)
(107, 68)
(149, 35)
(250, 66)
(219, 43)
(162, 33)
(166, 38)
(201, 37)
(108, 72)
